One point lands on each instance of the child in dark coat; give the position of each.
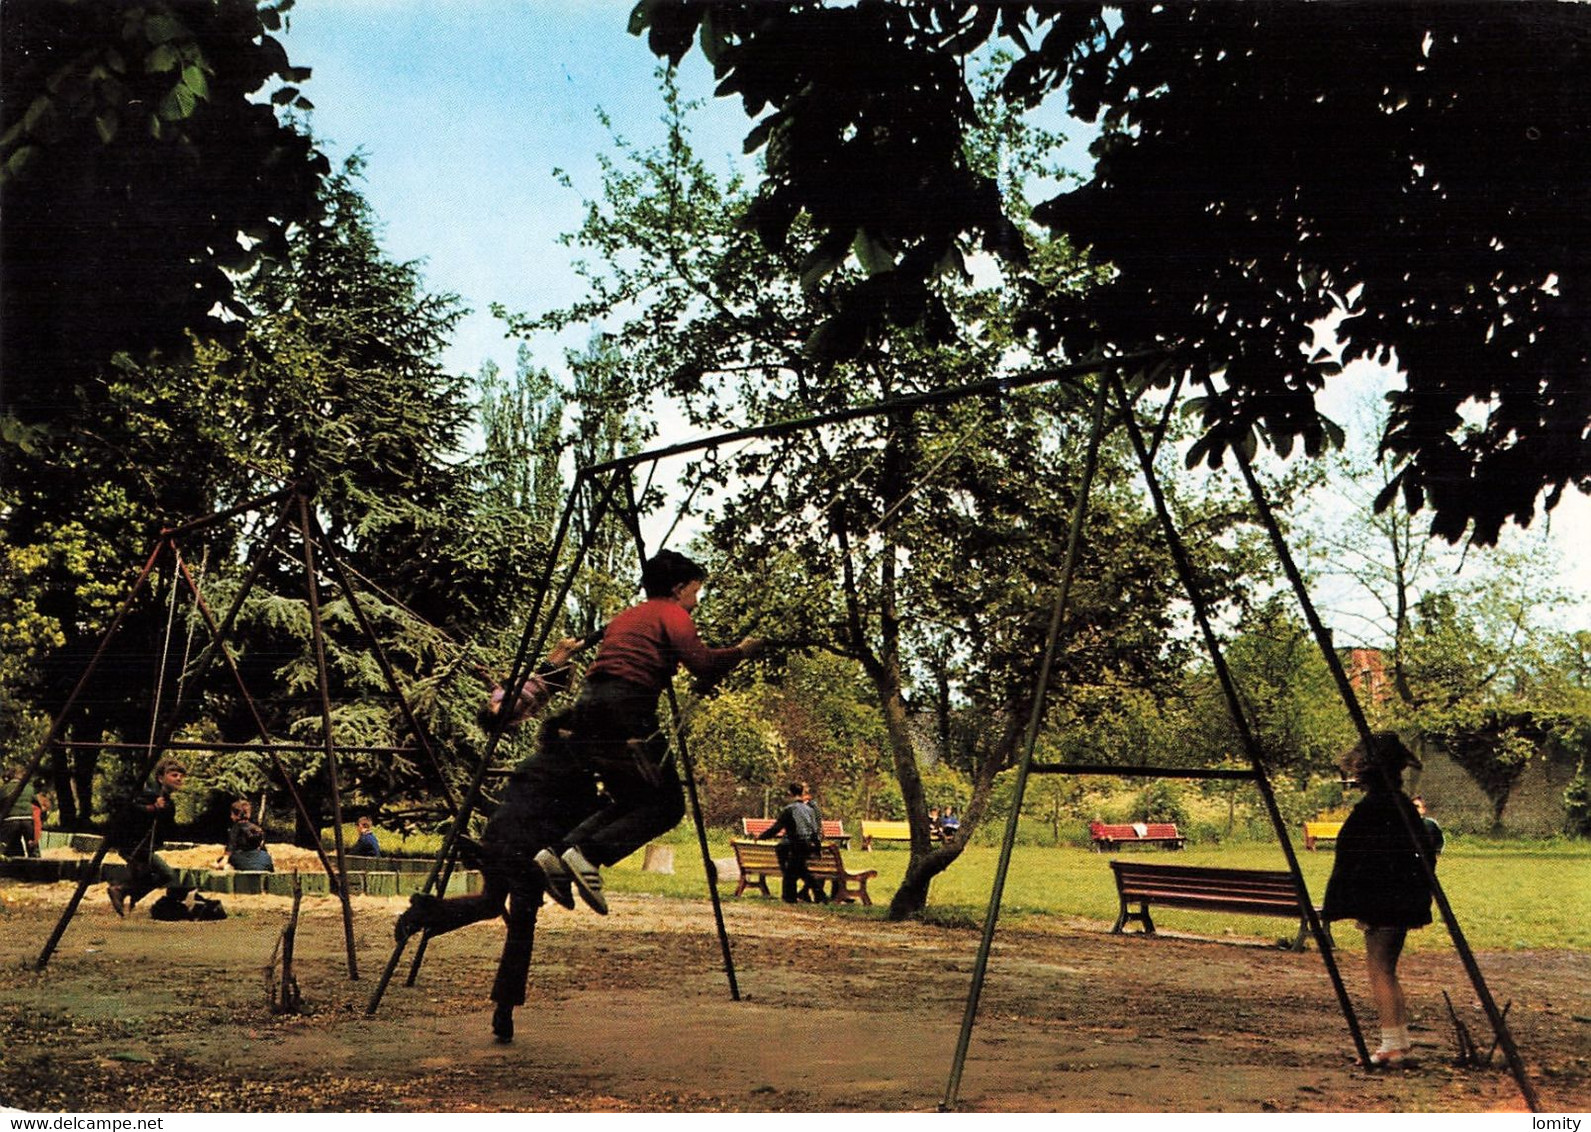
(1378, 880)
(546, 794)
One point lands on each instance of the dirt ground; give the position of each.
(837, 1012)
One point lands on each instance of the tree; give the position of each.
(1468, 640)
(895, 542)
(1421, 169)
(141, 177)
(1293, 707)
(521, 440)
(336, 384)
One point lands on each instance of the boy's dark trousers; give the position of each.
(641, 778)
(793, 858)
(17, 834)
(513, 882)
(545, 794)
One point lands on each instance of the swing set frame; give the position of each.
(296, 513)
(605, 480)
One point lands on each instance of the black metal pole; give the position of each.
(1074, 542)
(318, 636)
(1415, 835)
(688, 768)
(334, 560)
(881, 408)
(59, 722)
(270, 748)
(440, 868)
(158, 745)
(1184, 565)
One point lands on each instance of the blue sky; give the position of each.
(463, 109)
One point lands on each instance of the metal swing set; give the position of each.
(605, 481)
(295, 513)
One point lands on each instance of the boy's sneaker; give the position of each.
(557, 878)
(587, 880)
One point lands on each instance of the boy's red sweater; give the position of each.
(647, 643)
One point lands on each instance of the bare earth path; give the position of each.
(838, 1013)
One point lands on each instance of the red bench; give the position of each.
(833, 831)
(1109, 837)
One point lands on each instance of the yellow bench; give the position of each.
(885, 831)
(1320, 831)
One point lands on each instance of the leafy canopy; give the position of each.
(1419, 171)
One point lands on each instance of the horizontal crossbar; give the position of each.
(1141, 771)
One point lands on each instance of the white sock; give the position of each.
(1394, 1038)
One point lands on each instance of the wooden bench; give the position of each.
(832, 830)
(757, 861)
(1257, 892)
(1108, 837)
(1318, 831)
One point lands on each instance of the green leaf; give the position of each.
(106, 125)
(163, 27)
(162, 58)
(874, 256)
(641, 16)
(37, 110)
(18, 161)
(194, 79)
(285, 95)
(178, 104)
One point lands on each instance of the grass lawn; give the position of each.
(1506, 895)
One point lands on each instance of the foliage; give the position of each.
(1477, 663)
(142, 176)
(862, 539)
(1261, 167)
(1291, 700)
(335, 384)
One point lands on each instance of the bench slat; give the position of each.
(758, 860)
(1249, 891)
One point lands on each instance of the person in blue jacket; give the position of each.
(365, 845)
(251, 855)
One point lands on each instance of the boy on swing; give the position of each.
(616, 733)
(142, 826)
(547, 793)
